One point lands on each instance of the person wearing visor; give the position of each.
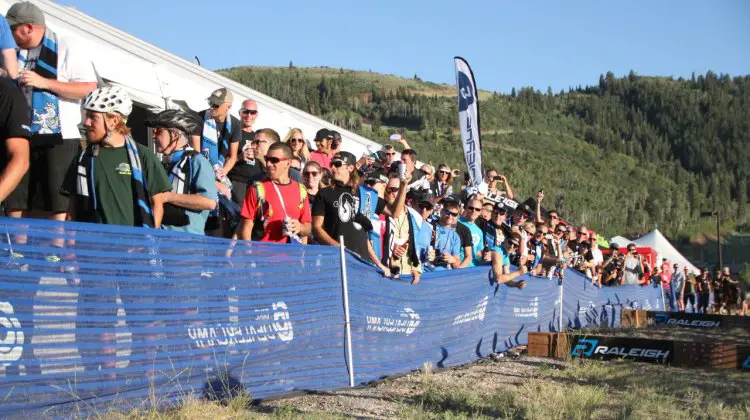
(194, 192)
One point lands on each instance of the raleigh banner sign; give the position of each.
(606, 348)
(687, 320)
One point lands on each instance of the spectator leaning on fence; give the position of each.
(54, 75)
(337, 211)
(193, 192)
(400, 251)
(278, 203)
(446, 243)
(115, 181)
(500, 272)
(479, 253)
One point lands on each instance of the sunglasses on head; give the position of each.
(310, 173)
(450, 213)
(248, 111)
(274, 160)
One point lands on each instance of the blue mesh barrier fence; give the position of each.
(96, 318)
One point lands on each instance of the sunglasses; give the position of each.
(392, 189)
(293, 141)
(274, 160)
(443, 171)
(248, 111)
(554, 217)
(449, 213)
(310, 173)
(390, 154)
(474, 209)
(337, 163)
(257, 142)
(214, 106)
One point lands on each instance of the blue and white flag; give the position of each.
(468, 117)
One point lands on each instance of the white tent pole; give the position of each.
(347, 324)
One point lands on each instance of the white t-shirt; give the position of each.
(598, 256)
(73, 65)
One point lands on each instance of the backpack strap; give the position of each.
(302, 195)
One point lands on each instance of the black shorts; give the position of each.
(39, 189)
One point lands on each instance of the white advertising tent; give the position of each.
(656, 241)
(156, 78)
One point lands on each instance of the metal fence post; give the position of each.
(347, 324)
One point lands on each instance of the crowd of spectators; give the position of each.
(215, 173)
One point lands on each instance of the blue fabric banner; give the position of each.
(96, 318)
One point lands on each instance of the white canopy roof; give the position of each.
(656, 241)
(155, 77)
(621, 241)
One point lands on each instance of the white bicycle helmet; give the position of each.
(108, 99)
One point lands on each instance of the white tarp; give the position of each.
(656, 241)
(153, 76)
(620, 241)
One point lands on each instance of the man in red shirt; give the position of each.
(277, 202)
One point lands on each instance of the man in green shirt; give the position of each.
(115, 181)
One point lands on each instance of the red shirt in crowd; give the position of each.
(297, 207)
(323, 159)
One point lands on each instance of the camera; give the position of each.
(467, 176)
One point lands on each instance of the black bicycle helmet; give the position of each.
(186, 122)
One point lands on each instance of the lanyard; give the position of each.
(281, 199)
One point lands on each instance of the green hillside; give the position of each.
(622, 156)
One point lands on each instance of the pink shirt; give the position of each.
(323, 159)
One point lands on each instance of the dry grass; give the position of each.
(526, 388)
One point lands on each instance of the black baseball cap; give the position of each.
(323, 133)
(346, 157)
(500, 208)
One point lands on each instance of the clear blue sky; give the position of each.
(556, 43)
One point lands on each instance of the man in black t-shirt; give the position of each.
(228, 132)
(15, 134)
(248, 164)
